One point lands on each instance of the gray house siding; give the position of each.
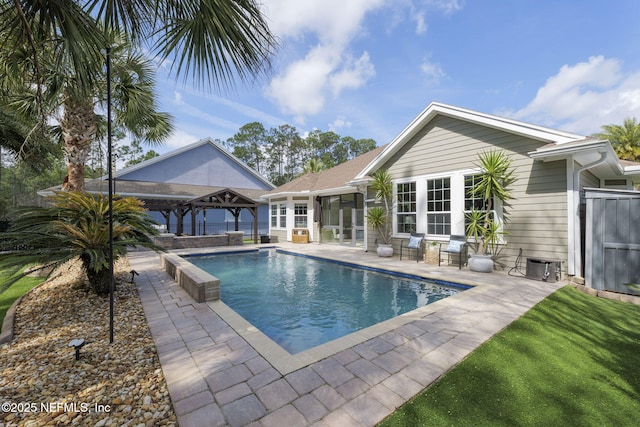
(587, 179)
(203, 165)
(538, 212)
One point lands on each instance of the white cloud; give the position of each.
(583, 97)
(331, 21)
(421, 23)
(328, 67)
(195, 112)
(339, 123)
(446, 6)
(353, 74)
(325, 31)
(178, 138)
(433, 72)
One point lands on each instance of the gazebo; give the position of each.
(226, 198)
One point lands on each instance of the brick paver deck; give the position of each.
(218, 375)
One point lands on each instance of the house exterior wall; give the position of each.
(587, 179)
(202, 165)
(449, 147)
(285, 217)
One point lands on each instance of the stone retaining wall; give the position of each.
(171, 241)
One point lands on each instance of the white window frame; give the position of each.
(273, 215)
(396, 210)
(297, 216)
(282, 215)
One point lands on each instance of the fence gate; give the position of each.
(612, 240)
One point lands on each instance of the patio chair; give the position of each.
(414, 243)
(457, 245)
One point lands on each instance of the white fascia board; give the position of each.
(590, 146)
(559, 151)
(507, 125)
(329, 191)
(632, 170)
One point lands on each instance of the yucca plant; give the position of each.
(76, 226)
(493, 183)
(379, 217)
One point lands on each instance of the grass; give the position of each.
(14, 292)
(571, 360)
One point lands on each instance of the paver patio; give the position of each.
(218, 375)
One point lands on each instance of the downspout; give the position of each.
(575, 267)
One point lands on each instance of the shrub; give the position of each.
(76, 226)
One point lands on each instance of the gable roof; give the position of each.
(540, 133)
(135, 169)
(334, 178)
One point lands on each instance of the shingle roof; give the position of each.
(336, 177)
(160, 190)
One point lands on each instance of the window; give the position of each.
(283, 215)
(472, 202)
(300, 215)
(439, 206)
(274, 216)
(406, 207)
(331, 211)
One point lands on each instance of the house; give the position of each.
(432, 161)
(197, 189)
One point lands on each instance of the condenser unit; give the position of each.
(544, 270)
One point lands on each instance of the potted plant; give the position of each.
(483, 228)
(379, 217)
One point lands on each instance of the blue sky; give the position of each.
(366, 68)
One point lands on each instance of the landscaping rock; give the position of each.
(41, 383)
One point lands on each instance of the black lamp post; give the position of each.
(110, 179)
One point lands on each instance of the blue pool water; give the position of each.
(301, 302)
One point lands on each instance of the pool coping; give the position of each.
(285, 362)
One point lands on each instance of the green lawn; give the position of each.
(571, 360)
(16, 290)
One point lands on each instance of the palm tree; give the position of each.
(625, 139)
(76, 226)
(134, 103)
(313, 166)
(212, 40)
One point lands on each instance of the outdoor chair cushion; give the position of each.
(414, 242)
(455, 246)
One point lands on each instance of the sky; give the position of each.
(367, 68)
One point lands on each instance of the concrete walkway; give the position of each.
(218, 375)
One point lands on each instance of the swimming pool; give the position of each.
(301, 302)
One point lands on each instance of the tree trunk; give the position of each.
(78, 130)
(99, 280)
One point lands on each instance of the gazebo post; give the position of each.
(194, 214)
(254, 212)
(179, 221)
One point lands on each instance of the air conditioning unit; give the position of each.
(544, 270)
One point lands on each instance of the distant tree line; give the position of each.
(281, 153)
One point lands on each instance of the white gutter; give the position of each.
(574, 266)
